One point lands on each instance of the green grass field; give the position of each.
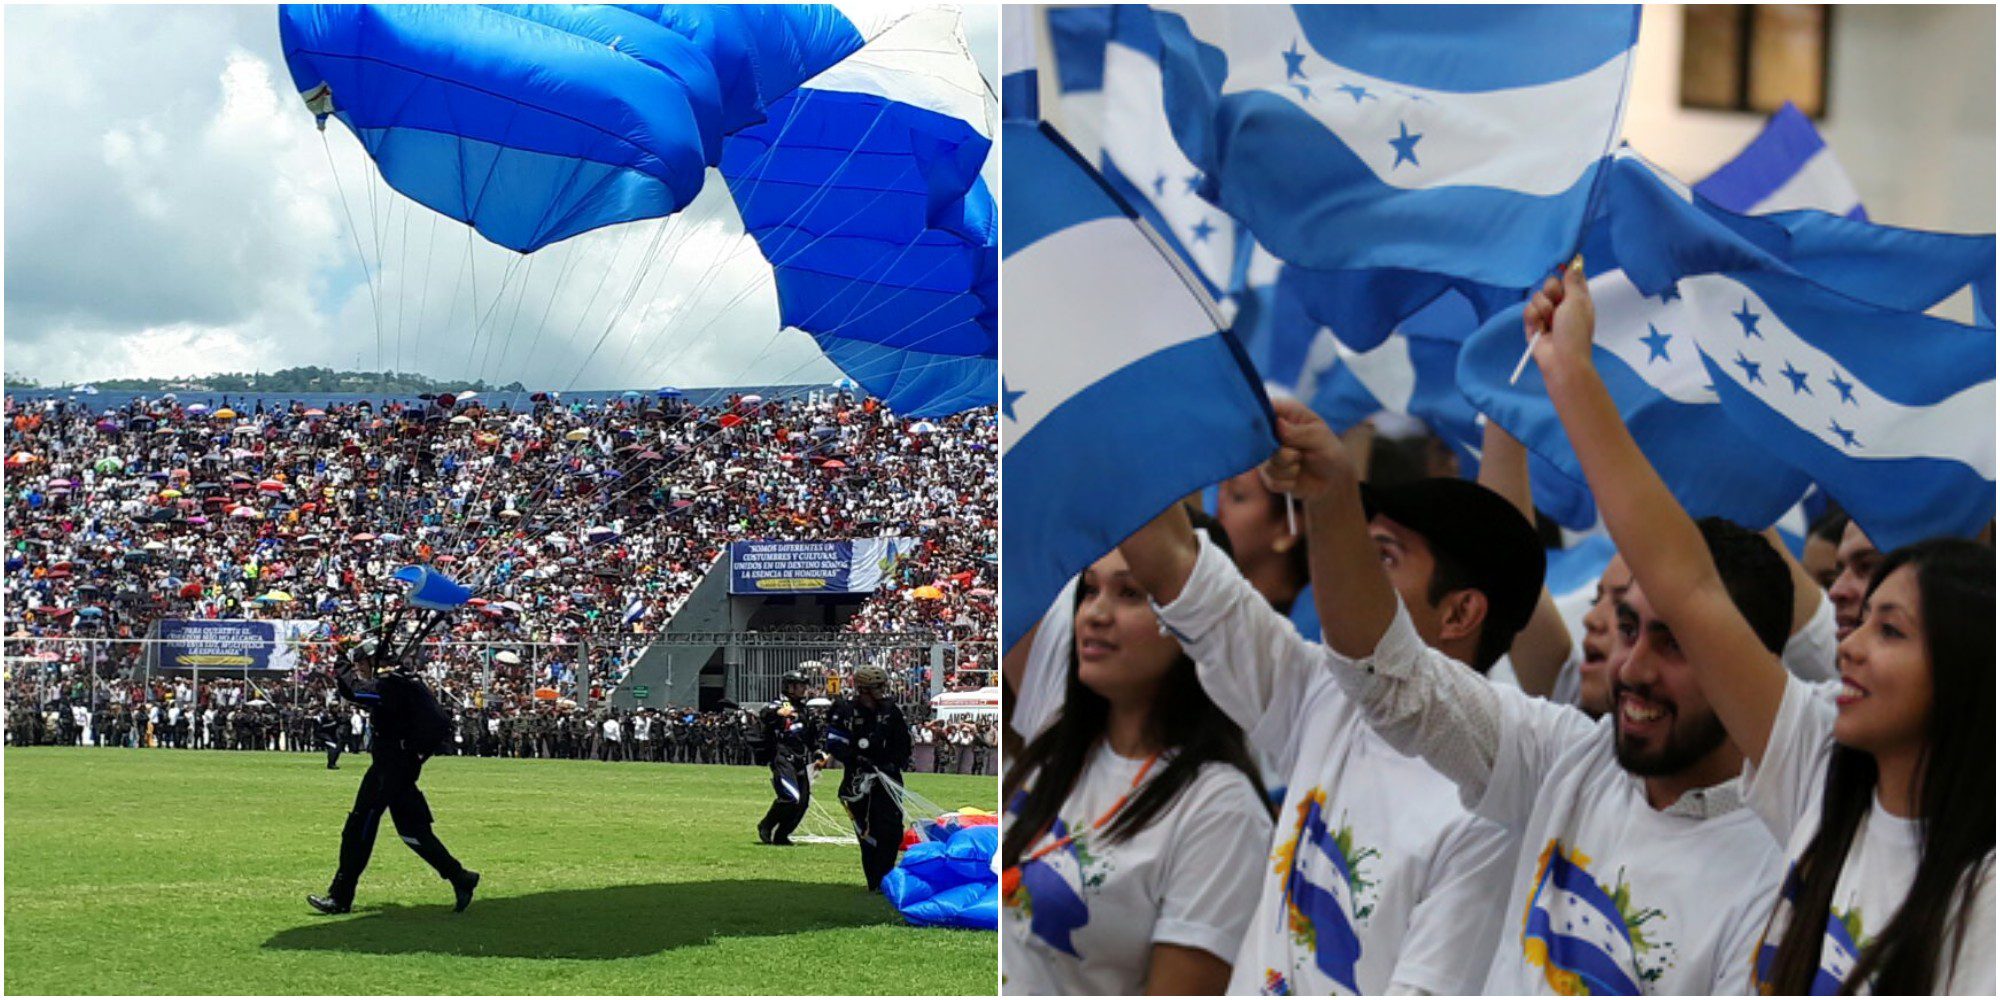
(158, 871)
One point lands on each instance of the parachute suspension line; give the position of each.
(651, 253)
(527, 278)
(403, 298)
(472, 264)
(480, 319)
(374, 306)
(458, 283)
(603, 275)
(664, 325)
(458, 533)
(424, 293)
(378, 231)
(570, 257)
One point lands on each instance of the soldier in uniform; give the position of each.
(867, 734)
(409, 727)
(328, 725)
(789, 740)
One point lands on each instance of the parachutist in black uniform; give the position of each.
(867, 734)
(409, 727)
(787, 742)
(330, 728)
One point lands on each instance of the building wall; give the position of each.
(1910, 110)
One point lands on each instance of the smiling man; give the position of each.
(1640, 870)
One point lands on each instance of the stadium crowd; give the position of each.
(584, 524)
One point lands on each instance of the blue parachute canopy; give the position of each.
(853, 161)
(431, 589)
(950, 882)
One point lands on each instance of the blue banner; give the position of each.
(851, 567)
(230, 644)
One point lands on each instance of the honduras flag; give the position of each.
(1111, 91)
(1575, 931)
(1644, 351)
(1120, 392)
(1788, 166)
(1888, 410)
(1397, 151)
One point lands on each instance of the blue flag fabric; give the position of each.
(1395, 152)
(1890, 412)
(1645, 353)
(1886, 409)
(1120, 392)
(1787, 166)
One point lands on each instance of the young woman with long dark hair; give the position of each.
(1881, 786)
(1136, 824)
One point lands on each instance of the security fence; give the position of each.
(748, 667)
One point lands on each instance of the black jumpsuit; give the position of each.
(409, 727)
(872, 744)
(331, 737)
(789, 736)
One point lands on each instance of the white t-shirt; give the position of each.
(1084, 918)
(1810, 652)
(1786, 793)
(1046, 675)
(1378, 876)
(1608, 894)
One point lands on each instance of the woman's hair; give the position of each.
(1954, 793)
(1183, 720)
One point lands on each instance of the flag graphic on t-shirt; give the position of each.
(1837, 952)
(1585, 938)
(1320, 882)
(1050, 894)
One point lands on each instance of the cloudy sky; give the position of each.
(171, 210)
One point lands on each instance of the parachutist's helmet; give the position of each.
(871, 679)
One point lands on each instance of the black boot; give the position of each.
(462, 886)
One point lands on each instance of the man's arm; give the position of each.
(1544, 645)
(1669, 559)
(1419, 700)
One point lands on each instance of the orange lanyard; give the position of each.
(1012, 876)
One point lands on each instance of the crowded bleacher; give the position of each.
(583, 524)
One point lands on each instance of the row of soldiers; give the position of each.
(572, 734)
(246, 727)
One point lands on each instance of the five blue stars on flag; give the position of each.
(1405, 142)
(1799, 379)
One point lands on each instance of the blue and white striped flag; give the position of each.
(1890, 412)
(1644, 350)
(1788, 166)
(1398, 151)
(1111, 92)
(1120, 390)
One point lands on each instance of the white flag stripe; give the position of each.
(1461, 129)
(1959, 428)
(1139, 141)
(1626, 318)
(1572, 917)
(1385, 371)
(1128, 291)
(1820, 183)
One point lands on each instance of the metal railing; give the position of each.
(91, 670)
